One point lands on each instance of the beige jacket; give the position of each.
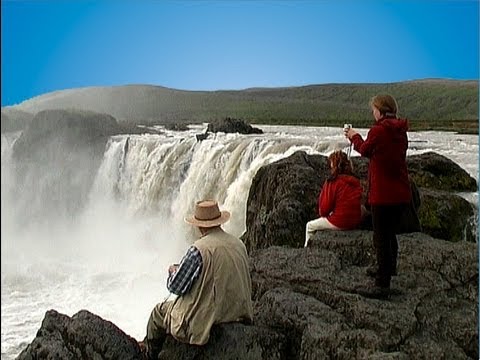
(222, 292)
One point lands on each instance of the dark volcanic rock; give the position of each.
(177, 126)
(230, 342)
(202, 136)
(311, 294)
(229, 125)
(73, 127)
(87, 336)
(83, 336)
(434, 171)
(56, 159)
(283, 198)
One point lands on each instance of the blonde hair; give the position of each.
(386, 104)
(341, 164)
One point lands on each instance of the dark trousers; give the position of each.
(156, 333)
(385, 222)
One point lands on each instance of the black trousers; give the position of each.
(385, 223)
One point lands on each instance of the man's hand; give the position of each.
(172, 268)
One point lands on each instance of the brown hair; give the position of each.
(341, 164)
(386, 104)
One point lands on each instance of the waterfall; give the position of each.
(8, 139)
(144, 187)
(152, 175)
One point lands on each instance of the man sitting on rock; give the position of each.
(212, 282)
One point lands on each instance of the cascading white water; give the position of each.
(112, 258)
(164, 177)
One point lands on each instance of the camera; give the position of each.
(347, 127)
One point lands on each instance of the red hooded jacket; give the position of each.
(386, 147)
(340, 202)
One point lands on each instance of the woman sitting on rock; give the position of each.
(339, 202)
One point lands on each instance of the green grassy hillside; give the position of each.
(436, 104)
(439, 105)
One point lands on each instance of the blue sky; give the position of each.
(208, 45)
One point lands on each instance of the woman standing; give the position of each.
(339, 202)
(389, 187)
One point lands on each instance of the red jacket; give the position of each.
(340, 201)
(386, 147)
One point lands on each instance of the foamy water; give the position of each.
(112, 258)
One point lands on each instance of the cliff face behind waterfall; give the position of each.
(431, 104)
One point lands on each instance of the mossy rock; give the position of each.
(446, 216)
(435, 171)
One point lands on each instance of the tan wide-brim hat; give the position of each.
(207, 214)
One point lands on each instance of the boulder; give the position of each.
(88, 336)
(435, 171)
(232, 341)
(55, 160)
(229, 125)
(312, 295)
(82, 336)
(201, 136)
(73, 128)
(447, 216)
(177, 126)
(283, 198)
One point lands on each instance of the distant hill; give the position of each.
(429, 104)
